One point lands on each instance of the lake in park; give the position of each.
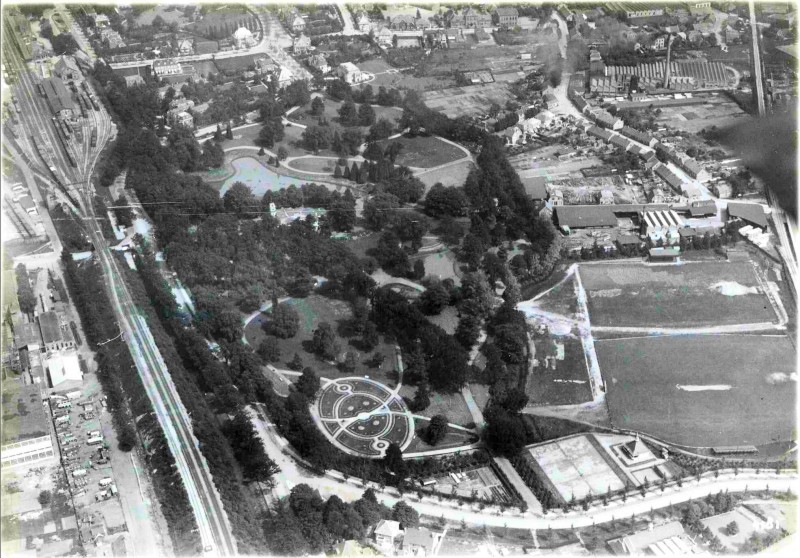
(257, 177)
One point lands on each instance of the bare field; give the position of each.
(471, 100)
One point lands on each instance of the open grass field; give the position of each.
(452, 405)
(568, 384)
(426, 151)
(313, 310)
(560, 299)
(313, 164)
(702, 390)
(693, 294)
(574, 466)
(451, 175)
(471, 100)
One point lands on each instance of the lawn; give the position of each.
(560, 299)
(313, 310)
(313, 164)
(426, 151)
(452, 405)
(568, 384)
(453, 439)
(702, 390)
(451, 175)
(680, 296)
(447, 319)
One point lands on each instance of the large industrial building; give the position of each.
(58, 97)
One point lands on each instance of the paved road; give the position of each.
(292, 474)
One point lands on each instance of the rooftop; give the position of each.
(57, 95)
(535, 187)
(23, 413)
(638, 542)
(50, 327)
(750, 212)
(576, 216)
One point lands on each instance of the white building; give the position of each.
(166, 67)
(63, 367)
(350, 73)
(385, 534)
(243, 38)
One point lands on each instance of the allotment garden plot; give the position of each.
(362, 417)
(692, 294)
(702, 390)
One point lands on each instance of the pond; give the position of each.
(257, 177)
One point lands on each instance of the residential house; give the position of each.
(550, 100)
(178, 117)
(243, 38)
(301, 44)
(505, 16)
(474, 18)
(350, 73)
(363, 23)
(319, 63)
(385, 534)
(166, 67)
(185, 47)
(403, 22)
(455, 36)
(731, 35)
(298, 24)
(660, 43)
(512, 135)
(385, 37)
(420, 542)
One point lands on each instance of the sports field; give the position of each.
(573, 466)
(705, 391)
(692, 294)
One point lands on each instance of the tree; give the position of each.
(309, 383)
(317, 107)
(366, 115)
(228, 132)
(249, 449)
(64, 44)
(348, 114)
(323, 342)
(296, 94)
(437, 429)
(442, 201)
(285, 321)
(370, 337)
(732, 528)
(380, 130)
(393, 461)
(350, 362)
(269, 349)
(27, 299)
(405, 515)
(421, 399)
(239, 200)
(434, 299)
(315, 138)
(271, 132)
(282, 153)
(296, 363)
(45, 497)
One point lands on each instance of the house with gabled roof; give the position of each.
(386, 531)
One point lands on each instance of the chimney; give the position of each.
(666, 66)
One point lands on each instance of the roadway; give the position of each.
(331, 483)
(215, 531)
